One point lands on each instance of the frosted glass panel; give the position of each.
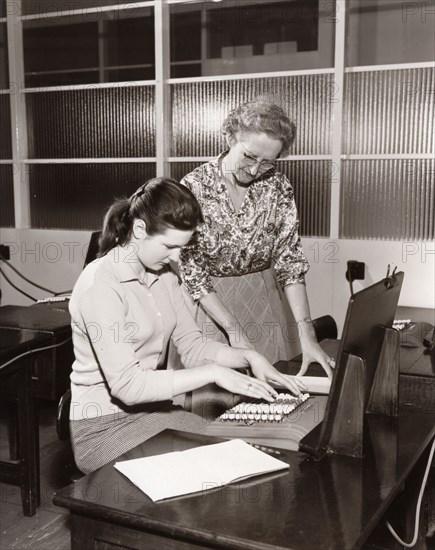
(388, 200)
(180, 169)
(199, 108)
(7, 215)
(389, 112)
(5, 127)
(76, 196)
(109, 122)
(311, 181)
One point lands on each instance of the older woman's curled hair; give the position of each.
(261, 116)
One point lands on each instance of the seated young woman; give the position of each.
(125, 307)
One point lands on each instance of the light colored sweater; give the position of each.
(122, 319)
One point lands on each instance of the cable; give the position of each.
(34, 351)
(29, 281)
(417, 509)
(16, 288)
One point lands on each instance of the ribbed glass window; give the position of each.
(389, 112)
(7, 215)
(388, 199)
(4, 72)
(311, 181)
(180, 169)
(5, 127)
(76, 196)
(105, 122)
(199, 108)
(380, 32)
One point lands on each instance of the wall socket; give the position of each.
(5, 252)
(355, 270)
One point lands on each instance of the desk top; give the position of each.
(330, 504)
(39, 317)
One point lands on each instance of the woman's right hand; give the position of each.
(236, 382)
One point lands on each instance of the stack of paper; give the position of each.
(198, 469)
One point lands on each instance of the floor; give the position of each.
(49, 528)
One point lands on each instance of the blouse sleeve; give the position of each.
(187, 337)
(101, 308)
(289, 259)
(193, 266)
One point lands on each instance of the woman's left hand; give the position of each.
(263, 370)
(313, 353)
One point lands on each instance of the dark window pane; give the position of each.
(236, 37)
(130, 41)
(105, 122)
(388, 200)
(185, 70)
(7, 214)
(48, 6)
(60, 47)
(399, 116)
(2, 8)
(199, 108)
(61, 79)
(380, 32)
(5, 127)
(79, 49)
(76, 196)
(130, 75)
(4, 72)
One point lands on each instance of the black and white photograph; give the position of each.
(217, 274)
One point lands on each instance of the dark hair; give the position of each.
(162, 203)
(264, 116)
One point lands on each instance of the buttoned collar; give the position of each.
(127, 266)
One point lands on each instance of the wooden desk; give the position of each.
(17, 386)
(331, 504)
(53, 367)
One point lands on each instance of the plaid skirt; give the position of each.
(97, 441)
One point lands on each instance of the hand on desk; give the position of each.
(313, 353)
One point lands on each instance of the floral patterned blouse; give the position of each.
(262, 233)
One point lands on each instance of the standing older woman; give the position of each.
(249, 241)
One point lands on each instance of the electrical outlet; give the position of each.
(355, 270)
(5, 252)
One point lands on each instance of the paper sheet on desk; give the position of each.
(198, 469)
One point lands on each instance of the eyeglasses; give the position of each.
(250, 160)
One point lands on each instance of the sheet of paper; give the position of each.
(198, 469)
